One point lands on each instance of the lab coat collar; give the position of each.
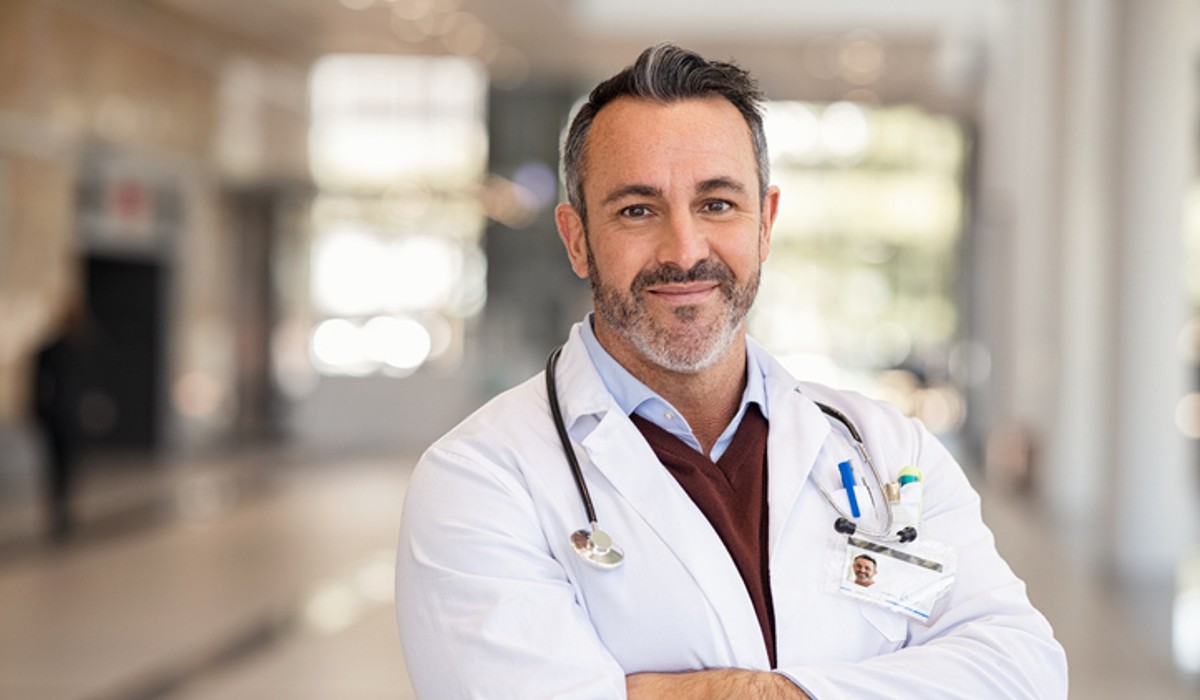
(580, 388)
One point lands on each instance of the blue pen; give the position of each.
(847, 471)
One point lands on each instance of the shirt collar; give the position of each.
(631, 394)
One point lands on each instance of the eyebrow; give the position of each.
(720, 183)
(632, 191)
(706, 186)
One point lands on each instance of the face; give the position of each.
(677, 230)
(864, 571)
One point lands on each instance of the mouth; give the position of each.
(684, 292)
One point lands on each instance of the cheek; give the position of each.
(619, 264)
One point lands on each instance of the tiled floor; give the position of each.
(274, 582)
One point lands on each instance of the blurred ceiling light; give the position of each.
(401, 343)
(861, 57)
(845, 132)
(377, 119)
(419, 273)
(337, 347)
(347, 267)
(793, 131)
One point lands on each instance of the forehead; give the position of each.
(640, 139)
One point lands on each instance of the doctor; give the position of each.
(708, 465)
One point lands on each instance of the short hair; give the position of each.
(666, 73)
(869, 558)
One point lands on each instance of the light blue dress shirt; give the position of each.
(634, 397)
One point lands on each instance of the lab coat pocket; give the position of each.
(892, 625)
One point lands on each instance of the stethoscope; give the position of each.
(596, 547)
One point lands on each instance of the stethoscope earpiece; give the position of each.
(846, 526)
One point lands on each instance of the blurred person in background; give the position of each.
(719, 478)
(57, 392)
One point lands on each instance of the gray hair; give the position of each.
(666, 73)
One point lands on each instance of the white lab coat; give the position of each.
(492, 602)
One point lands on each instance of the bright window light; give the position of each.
(398, 149)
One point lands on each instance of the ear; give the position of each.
(770, 209)
(574, 237)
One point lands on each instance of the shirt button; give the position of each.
(669, 415)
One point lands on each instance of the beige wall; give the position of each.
(151, 88)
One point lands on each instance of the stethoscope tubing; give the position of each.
(609, 555)
(560, 426)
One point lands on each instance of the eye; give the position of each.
(635, 211)
(717, 206)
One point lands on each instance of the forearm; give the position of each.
(717, 684)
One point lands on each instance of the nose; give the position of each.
(682, 242)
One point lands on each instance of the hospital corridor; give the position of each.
(256, 256)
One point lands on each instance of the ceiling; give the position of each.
(917, 50)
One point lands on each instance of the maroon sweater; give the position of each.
(732, 494)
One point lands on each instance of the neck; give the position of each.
(708, 399)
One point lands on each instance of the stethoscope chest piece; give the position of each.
(596, 547)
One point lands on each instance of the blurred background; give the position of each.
(255, 255)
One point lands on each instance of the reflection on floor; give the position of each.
(239, 579)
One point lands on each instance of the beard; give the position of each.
(691, 343)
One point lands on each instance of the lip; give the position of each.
(683, 293)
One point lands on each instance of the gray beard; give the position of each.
(698, 345)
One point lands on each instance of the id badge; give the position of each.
(905, 578)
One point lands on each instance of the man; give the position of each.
(709, 466)
(864, 570)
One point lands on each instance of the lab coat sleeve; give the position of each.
(484, 609)
(987, 641)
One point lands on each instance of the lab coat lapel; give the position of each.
(797, 434)
(616, 449)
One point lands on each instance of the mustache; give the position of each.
(707, 270)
